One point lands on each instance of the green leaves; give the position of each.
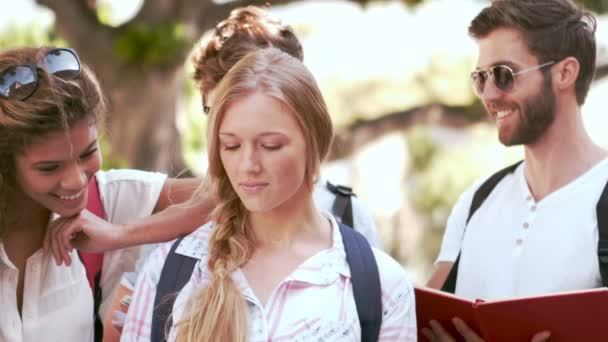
(158, 44)
(32, 34)
(598, 6)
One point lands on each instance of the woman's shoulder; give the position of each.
(128, 175)
(192, 245)
(196, 243)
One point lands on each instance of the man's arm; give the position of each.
(440, 274)
(453, 237)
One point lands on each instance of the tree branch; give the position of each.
(189, 12)
(212, 14)
(77, 23)
(153, 11)
(361, 132)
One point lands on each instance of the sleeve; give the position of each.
(456, 224)
(127, 195)
(364, 223)
(138, 323)
(398, 302)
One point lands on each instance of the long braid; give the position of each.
(218, 312)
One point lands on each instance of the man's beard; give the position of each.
(536, 116)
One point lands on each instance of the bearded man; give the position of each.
(532, 228)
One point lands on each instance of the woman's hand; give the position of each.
(85, 231)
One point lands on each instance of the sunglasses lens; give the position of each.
(17, 82)
(503, 78)
(479, 82)
(62, 63)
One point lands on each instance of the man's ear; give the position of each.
(565, 73)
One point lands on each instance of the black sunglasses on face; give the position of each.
(502, 76)
(20, 82)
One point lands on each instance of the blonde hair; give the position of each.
(218, 312)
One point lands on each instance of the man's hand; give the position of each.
(438, 334)
(84, 231)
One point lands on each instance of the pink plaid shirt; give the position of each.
(314, 303)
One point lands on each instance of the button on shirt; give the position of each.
(313, 303)
(514, 246)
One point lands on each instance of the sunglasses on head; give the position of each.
(20, 82)
(502, 76)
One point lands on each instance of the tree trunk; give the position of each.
(141, 122)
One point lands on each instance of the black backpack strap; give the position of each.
(366, 282)
(98, 327)
(478, 198)
(602, 227)
(343, 205)
(96, 292)
(174, 276)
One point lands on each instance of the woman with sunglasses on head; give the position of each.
(270, 265)
(50, 108)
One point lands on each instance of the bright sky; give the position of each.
(387, 39)
(28, 12)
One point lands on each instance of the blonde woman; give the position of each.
(271, 266)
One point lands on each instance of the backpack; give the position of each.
(364, 276)
(93, 262)
(484, 191)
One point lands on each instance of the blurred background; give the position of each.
(411, 135)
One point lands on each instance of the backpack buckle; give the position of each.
(340, 189)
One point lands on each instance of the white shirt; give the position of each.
(514, 246)
(313, 303)
(57, 300)
(362, 217)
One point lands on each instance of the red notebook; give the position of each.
(569, 316)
